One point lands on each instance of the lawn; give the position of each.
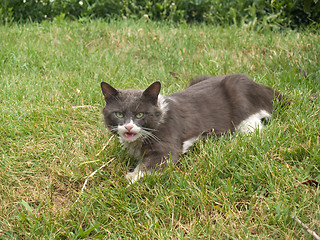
(62, 173)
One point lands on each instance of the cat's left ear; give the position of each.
(152, 92)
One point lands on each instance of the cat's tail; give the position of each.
(280, 97)
(284, 101)
(281, 100)
(314, 96)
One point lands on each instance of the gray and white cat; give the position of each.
(155, 129)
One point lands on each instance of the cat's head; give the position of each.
(133, 114)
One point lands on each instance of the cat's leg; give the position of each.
(152, 162)
(136, 174)
(253, 122)
(189, 143)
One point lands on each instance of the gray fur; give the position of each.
(214, 105)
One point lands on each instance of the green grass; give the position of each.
(52, 135)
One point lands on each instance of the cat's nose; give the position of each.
(128, 127)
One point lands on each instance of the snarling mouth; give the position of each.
(130, 135)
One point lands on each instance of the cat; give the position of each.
(155, 129)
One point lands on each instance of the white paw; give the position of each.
(134, 176)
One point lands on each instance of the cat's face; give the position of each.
(132, 114)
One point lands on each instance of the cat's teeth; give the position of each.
(130, 135)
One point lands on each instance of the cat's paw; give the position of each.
(134, 176)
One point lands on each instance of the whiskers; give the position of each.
(113, 129)
(148, 136)
(145, 134)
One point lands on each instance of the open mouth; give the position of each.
(130, 135)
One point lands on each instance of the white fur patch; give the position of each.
(133, 145)
(253, 122)
(122, 130)
(133, 148)
(187, 144)
(163, 105)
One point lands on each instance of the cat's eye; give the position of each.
(139, 115)
(119, 114)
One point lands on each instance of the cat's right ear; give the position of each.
(108, 91)
(152, 92)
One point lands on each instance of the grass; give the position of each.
(52, 135)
